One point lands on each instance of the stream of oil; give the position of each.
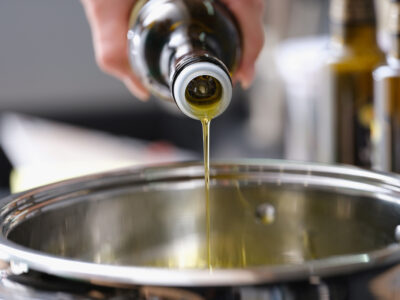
(206, 149)
(204, 94)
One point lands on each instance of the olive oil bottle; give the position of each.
(386, 131)
(186, 51)
(345, 111)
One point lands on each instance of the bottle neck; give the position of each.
(182, 59)
(394, 30)
(357, 36)
(353, 22)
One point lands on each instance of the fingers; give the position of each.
(109, 24)
(135, 87)
(249, 14)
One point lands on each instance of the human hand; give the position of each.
(109, 24)
(249, 14)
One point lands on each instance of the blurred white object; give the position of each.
(383, 36)
(300, 63)
(266, 106)
(43, 151)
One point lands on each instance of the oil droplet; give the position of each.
(265, 213)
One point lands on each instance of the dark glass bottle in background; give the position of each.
(345, 111)
(187, 51)
(386, 130)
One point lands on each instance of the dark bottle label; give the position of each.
(353, 94)
(352, 11)
(393, 27)
(386, 127)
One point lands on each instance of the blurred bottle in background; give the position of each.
(280, 110)
(386, 130)
(345, 110)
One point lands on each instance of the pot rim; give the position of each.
(22, 259)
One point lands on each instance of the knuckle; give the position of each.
(259, 43)
(252, 54)
(258, 5)
(106, 60)
(96, 7)
(256, 44)
(258, 50)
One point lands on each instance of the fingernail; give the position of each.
(136, 91)
(142, 96)
(247, 77)
(235, 80)
(245, 84)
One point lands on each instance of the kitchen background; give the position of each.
(47, 70)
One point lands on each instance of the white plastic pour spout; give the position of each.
(201, 69)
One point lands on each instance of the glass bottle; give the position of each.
(387, 100)
(345, 111)
(186, 51)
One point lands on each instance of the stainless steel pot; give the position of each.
(305, 223)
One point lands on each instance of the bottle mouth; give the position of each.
(202, 90)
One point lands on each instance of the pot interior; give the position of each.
(259, 220)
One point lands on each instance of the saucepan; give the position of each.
(271, 230)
